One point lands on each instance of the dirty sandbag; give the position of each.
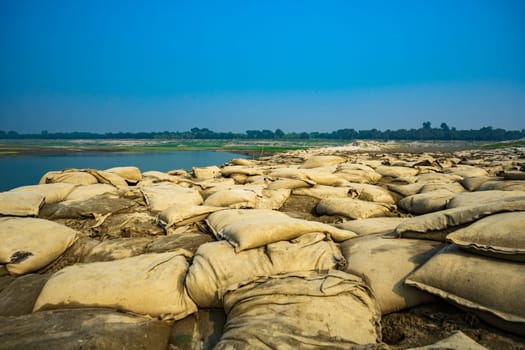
(161, 196)
(150, 284)
(333, 310)
(72, 176)
(20, 296)
(29, 244)
(321, 192)
(131, 174)
(83, 328)
(219, 220)
(371, 226)
(384, 263)
(199, 331)
(233, 198)
(472, 198)
(216, 265)
(458, 340)
(427, 202)
(499, 235)
(396, 171)
(184, 213)
(85, 192)
(490, 288)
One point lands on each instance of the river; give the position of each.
(27, 170)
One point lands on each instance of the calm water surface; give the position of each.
(27, 170)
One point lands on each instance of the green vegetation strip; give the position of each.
(505, 145)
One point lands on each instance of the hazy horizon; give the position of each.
(98, 66)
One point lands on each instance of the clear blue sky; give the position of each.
(100, 66)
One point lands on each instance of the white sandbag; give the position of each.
(184, 214)
(321, 192)
(131, 174)
(300, 310)
(23, 203)
(371, 226)
(352, 208)
(208, 172)
(384, 264)
(53, 193)
(507, 185)
(161, 196)
(500, 235)
(321, 161)
(72, 176)
(216, 265)
(151, 284)
(372, 193)
(85, 192)
(490, 288)
(428, 202)
(473, 198)
(29, 244)
(257, 232)
(221, 219)
(396, 171)
(233, 198)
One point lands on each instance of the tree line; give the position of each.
(425, 132)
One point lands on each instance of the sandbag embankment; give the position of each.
(150, 284)
(216, 265)
(335, 310)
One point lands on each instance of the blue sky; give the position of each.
(106, 66)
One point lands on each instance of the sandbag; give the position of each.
(352, 208)
(358, 173)
(233, 198)
(467, 171)
(230, 170)
(131, 174)
(371, 226)
(321, 192)
(85, 192)
(406, 189)
(96, 207)
(219, 220)
(72, 176)
(187, 241)
(287, 184)
(455, 187)
(257, 232)
(473, 198)
(396, 171)
(53, 193)
(321, 161)
(472, 183)
(19, 296)
(23, 203)
(500, 235)
(490, 288)
(183, 214)
(216, 265)
(512, 175)
(162, 196)
(300, 311)
(428, 202)
(83, 329)
(434, 225)
(151, 284)
(29, 244)
(243, 161)
(457, 341)
(208, 172)
(110, 178)
(114, 249)
(372, 193)
(507, 185)
(384, 264)
(272, 199)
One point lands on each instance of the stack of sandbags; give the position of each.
(333, 310)
(216, 265)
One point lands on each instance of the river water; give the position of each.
(27, 170)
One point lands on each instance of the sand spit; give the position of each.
(357, 246)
